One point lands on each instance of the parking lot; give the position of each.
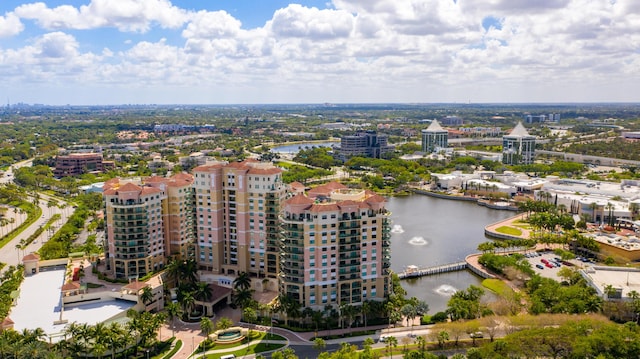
(547, 264)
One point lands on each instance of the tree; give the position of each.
(409, 312)
(187, 300)
(366, 309)
(146, 296)
(224, 323)
(250, 316)
(203, 293)
(443, 337)
(242, 281)
(392, 343)
(173, 311)
(319, 344)
(206, 325)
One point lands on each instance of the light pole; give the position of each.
(147, 353)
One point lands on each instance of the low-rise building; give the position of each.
(75, 164)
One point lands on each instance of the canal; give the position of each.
(428, 231)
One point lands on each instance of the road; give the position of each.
(11, 255)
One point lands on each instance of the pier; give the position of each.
(414, 271)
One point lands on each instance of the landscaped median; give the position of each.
(258, 342)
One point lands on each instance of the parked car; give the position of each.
(539, 266)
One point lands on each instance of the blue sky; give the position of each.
(276, 51)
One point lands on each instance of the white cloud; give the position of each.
(57, 45)
(208, 25)
(125, 15)
(10, 25)
(311, 23)
(355, 50)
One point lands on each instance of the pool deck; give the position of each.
(38, 306)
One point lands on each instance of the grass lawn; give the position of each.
(523, 225)
(252, 349)
(509, 230)
(497, 286)
(255, 335)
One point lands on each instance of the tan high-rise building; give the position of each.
(335, 247)
(147, 221)
(237, 209)
(178, 214)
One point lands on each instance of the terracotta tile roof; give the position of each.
(70, 286)
(376, 198)
(329, 207)
(209, 167)
(155, 179)
(150, 190)
(130, 187)
(299, 199)
(238, 165)
(218, 292)
(183, 176)
(112, 181)
(325, 189)
(347, 203)
(265, 171)
(7, 321)
(31, 257)
(109, 192)
(135, 286)
(296, 185)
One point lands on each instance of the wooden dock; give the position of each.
(421, 272)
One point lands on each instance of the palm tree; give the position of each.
(409, 311)
(391, 341)
(173, 271)
(206, 325)
(366, 310)
(187, 301)
(224, 323)
(146, 296)
(173, 310)
(242, 298)
(242, 281)
(190, 271)
(203, 293)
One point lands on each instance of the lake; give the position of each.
(428, 231)
(294, 148)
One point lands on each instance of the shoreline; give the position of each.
(479, 201)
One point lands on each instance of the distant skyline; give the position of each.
(342, 51)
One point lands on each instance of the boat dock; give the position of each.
(414, 271)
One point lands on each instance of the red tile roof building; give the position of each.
(335, 247)
(237, 209)
(146, 222)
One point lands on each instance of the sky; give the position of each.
(103, 52)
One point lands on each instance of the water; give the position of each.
(428, 231)
(293, 149)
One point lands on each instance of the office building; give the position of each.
(518, 147)
(364, 144)
(76, 164)
(434, 138)
(452, 121)
(237, 208)
(335, 247)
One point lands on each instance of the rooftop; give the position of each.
(38, 306)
